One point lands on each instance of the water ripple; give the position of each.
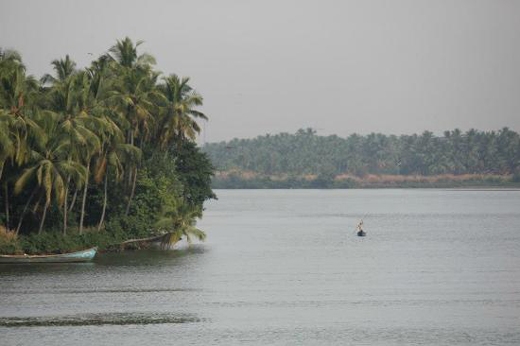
(97, 290)
(98, 320)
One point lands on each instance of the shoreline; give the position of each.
(252, 180)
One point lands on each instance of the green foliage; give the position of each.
(8, 242)
(325, 157)
(195, 172)
(107, 148)
(55, 242)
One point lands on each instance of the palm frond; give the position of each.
(23, 180)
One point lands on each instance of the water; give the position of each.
(284, 267)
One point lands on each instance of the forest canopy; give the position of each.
(305, 159)
(108, 150)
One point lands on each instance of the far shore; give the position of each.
(251, 180)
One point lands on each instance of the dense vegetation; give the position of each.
(305, 159)
(98, 155)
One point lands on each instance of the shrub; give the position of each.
(8, 242)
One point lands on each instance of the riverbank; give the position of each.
(251, 180)
(57, 242)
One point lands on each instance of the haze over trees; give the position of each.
(106, 148)
(292, 156)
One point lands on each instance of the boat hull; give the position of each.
(71, 257)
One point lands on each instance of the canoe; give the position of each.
(71, 257)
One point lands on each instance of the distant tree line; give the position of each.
(107, 148)
(306, 153)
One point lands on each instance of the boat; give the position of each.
(359, 227)
(70, 257)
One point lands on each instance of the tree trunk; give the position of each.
(6, 191)
(73, 200)
(131, 141)
(84, 200)
(104, 202)
(25, 211)
(43, 217)
(65, 207)
(6, 198)
(131, 192)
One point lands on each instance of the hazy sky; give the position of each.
(270, 66)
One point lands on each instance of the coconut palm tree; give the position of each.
(17, 127)
(6, 144)
(124, 53)
(178, 121)
(49, 168)
(17, 92)
(71, 100)
(64, 68)
(180, 222)
(133, 94)
(115, 154)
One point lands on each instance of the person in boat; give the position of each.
(360, 228)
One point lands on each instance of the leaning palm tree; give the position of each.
(180, 222)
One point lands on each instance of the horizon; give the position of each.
(201, 142)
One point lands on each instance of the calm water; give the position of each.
(284, 267)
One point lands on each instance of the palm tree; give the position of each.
(133, 93)
(17, 91)
(6, 151)
(134, 88)
(64, 68)
(70, 98)
(6, 144)
(50, 166)
(83, 131)
(124, 53)
(178, 120)
(178, 222)
(115, 154)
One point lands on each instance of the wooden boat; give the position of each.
(71, 257)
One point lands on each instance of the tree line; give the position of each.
(306, 153)
(107, 148)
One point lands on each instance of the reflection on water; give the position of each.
(147, 257)
(438, 267)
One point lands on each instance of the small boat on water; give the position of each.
(359, 227)
(71, 257)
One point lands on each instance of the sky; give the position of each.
(271, 66)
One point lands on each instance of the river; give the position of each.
(285, 267)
